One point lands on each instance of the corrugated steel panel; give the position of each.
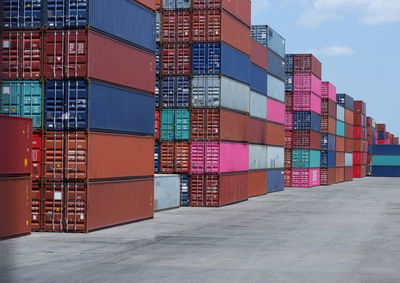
(257, 183)
(307, 63)
(175, 91)
(258, 105)
(257, 157)
(276, 88)
(167, 192)
(175, 124)
(306, 120)
(328, 159)
(258, 54)
(275, 180)
(176, 26)
(269, 38)
(345, 101)
(22, 14)
(276, 111)
(176, 4)
(257, 131)
(275, 157)
(276, 65)
(258, 79)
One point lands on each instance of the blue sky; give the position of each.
(357, 41)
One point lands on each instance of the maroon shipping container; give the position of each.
(15, 146)
(257, 131)
(77, 155)
(275, 134)
(288, 139)
(348, 174)
(339, 144)
(348, 131)
(359, 107)
(369, 122)
(216, 26)
(340, 175)
(359, 146)
(258, 54)
(328, 176)
(87, 206)
(340, 159)
(219, 124)
(15, 206)
(257, 183)
(36, 205)
(307, 63)
(287, 178)
(328, 125)
(239, 9)
(348, 145)
(21, 55)
(166, 156)
(288, 101)
(174, 157)
(359, 119)
(176, 26)
(74, 54)
(380, 127)
(306, 140)
(37, 156)
(328, 107)
(157, 124)
(288, 159)
(175, 59)
(218, 190)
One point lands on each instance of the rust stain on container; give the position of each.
(275, 134)
(257, 183)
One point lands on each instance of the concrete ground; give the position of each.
(343, 233)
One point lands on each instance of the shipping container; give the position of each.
(109, 108)
(276, 65)
(258, 81)
(349, 145)
(306, 120)
(328, 107)
(176, 26)
(328, 176)
(287, 178)
(258, 157)
(36, 222)
(269, 38)
(340, 116)
(288, 158)
(157, 124)
(288, 120)
(158, 59)
(107, 17)
(348, 117)
(340, 175)
(386, 150)
(15, 206)
(275, 134)
(289, 101)
(15, 146)
(289, 63)
(328, 91)
(275, 180)
(258, 54)
(380, 127)
(340, 159)
(175, 59)
(358, 145)
(328, 125)
(276, 111)
(306, 139)
(214, 91)
(276, 88)
(275, 157)
(22, 14)
(307, 63)
(306, 178)
(348, 159)
(176, 4)
(360, 107)
(288, 81)
(185, 191)
(288, 139)
(307, 82)
(156, 157)
(175, 92)
(175, 124)
(258, 105)
(88, 206)
(328, 142)
(23, 99)
(78, 155)
(345, 101)
(306, 101)
(81, 54)
(305, 159)
(218, 190)
(359, 171)
(385, 171)
(340, 128)
(257, 131)
(36, 155)
(167, 192)
(385, 160)
(340, 144)
(216, 26)
(348, 174)
(217, 59)
(174, 157)
(257, 183)
(348, 131)
(21, 55)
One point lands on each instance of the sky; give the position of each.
(357, 41)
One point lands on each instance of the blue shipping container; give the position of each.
(385, 171)
(175, 92)
(157, 92)
(269, 38)
(158, 58)
(385, 149)
(381, 135)
(176, 4)
(111, 108)
(328, 159)
(289, 63)
(289, 82)
(275, 180)
(258, 79)
(124, 20)
(328, 142)
(22, 14)
(185, 191)
(276, 65)
(345, 100)
(156, 157)
(217, 59)
(306, 120)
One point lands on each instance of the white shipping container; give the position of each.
(275, 157)
(257, 157)
(167, 193)
(348, 160)
(258, 105)
(340, 113)
(276, 88)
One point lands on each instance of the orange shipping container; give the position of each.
(328, 125)
(340, 159)
(257, 183)
(348, 145)
(340, 175)
(339, 143)
(349, 117)
(275, 134)
(348, 131)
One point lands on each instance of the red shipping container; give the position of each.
(174, 157)
(348, 174)
(287, 178)
(37, 156)
(340, 175)
(288, 120)
(359, 119)
(328, 125)
(359, 158)
(73, 54)
(288, 159)
(340, 159)
(359, 107)
(21, 55)
(86, 206)
(348, 131)
(36, 206)
(359, 171)
(288, 139)
(359, 145)
(306, 140)
(239, 9)
(175, 59)
(380, 127)
(358, 132)
(258, 54)
(215, 26)
(328, 176)
(157, 124)
(176, 26)
(275, 134)
(369, 122)
(328, 107)
(348, 145)
(15, 206)
(76, 156)
(307, 63)
(182, 156)
(288, 101)
(257, 131)
(167, 157)
(15, 146)
(257, 183)
(218, 190)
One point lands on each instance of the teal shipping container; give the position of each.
(23, 99)
(385, 160)
(340, 128)
(305, 159)
(175, 124)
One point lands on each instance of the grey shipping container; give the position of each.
(348, 159)
(276, 65)
(257, 157)
(340, 113)
(269, 38)
(276, 88)
(275, 157)
(167, 192)
(258, 105)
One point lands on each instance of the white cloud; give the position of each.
(372, 11)
(335, 50)
(259, 6)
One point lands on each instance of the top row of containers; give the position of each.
(104, 16)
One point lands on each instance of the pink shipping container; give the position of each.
(219, 157)
(306, 178)
(288, 120)
(306, 101)
(276, 111)
(306, 82)
(328, 90)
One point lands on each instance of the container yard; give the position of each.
(182, 135)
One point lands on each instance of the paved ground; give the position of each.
(342, 233)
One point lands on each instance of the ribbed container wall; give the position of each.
(360, 135)
(88, 83)
(371, 140)
(385, 161)
(275, 45)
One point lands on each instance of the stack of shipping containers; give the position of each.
(15, 176)
(220, 90)
(371, 140)
(306, 134)
(328, 134)
(276, 45)
(386, 160)
(289, 69)
(383, 137)
(91, 97)
(360, 153)
(346, 128)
